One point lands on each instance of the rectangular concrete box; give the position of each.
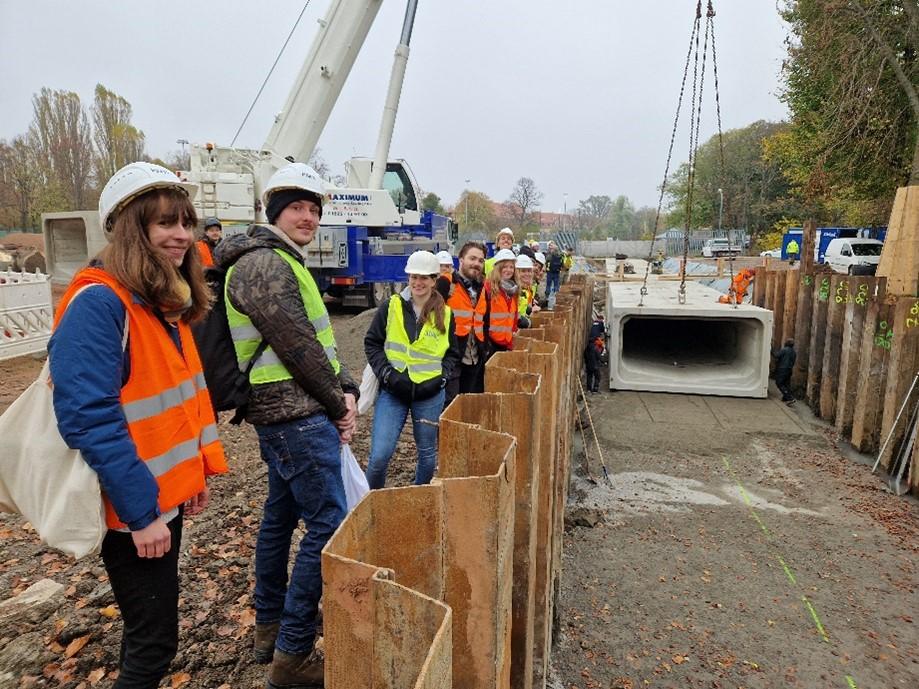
(700, 347)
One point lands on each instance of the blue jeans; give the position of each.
(389, 414)
(304, 482)
(552, 281)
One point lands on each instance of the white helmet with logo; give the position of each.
(444, 257)
(294, 176)
(524, 261)
(541, 258)
(422, 263)
(130, 182)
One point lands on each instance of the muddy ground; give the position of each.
(735, 547)
(731, 528)
(73, 643)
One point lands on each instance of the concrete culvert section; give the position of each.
(700, 347)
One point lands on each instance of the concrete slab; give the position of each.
(701, 412)
(701, 347)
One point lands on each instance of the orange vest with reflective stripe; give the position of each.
(463, 309)
(165, 402)
(502, 321)
(207, 258)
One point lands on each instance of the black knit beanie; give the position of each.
(280, 200)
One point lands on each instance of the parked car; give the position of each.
(854, 256)
(720, 247)
(772, 253)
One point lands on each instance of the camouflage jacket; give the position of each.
(264, 287)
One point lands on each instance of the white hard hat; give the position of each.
(506, 230)
(294, 176)
(422, 263)
(133, 180)
(541, 257)
(524, 261)
(444, 257)
(505, 255)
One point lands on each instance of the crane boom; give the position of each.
(299, 125)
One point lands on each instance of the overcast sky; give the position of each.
(579, 95)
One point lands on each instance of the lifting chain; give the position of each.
(676, 120)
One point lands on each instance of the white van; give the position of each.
(854, 256)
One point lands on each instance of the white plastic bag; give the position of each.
(355, 482)
(45, 481)
(370, 388)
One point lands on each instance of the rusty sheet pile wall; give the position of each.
(858, 350)
(453, 584)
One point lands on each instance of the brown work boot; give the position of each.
(265, 636)
(290, 671)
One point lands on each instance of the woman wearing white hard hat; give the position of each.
(411, 347)
(523, 275)
(129, 393)
(496, 312)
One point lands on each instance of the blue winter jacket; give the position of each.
(88, 369)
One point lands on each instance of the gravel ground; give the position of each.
(73, 642)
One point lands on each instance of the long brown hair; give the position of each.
(132, 260)
(435, 304)
(494, 277)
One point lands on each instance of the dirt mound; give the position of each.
(349, 335)
(16, 240)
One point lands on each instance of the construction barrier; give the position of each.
(25, 313)
(857, 341)
(454, 584)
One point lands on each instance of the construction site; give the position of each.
(681, 528)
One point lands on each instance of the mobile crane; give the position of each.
(368, 227)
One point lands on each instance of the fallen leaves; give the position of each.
(76, 646)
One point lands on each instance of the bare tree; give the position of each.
(524, 198)
(117, 141)
(19, 178)
(60, 136)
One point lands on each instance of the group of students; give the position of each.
(431, 341)
(130, 393)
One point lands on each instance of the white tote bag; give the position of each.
(370, 388)
(42, 478)
(45, 481)
(355, 481)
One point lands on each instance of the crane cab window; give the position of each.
(396, 181)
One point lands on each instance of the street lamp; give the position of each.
(564, 210)
(466, 220)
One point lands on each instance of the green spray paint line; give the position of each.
(788, 572)
(813, 612)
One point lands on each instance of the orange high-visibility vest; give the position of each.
(207, 258)
(502, 323)
(463, 309)
(165, 402)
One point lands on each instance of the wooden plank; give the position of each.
(789, 320)
(808, 241)
(860, 291)
(904, 358)
(832, 351)
(817, 339)
(759, 287)
(803, 315)
(872, 375)
(900, 256)
(770, 290)
(778, 308)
